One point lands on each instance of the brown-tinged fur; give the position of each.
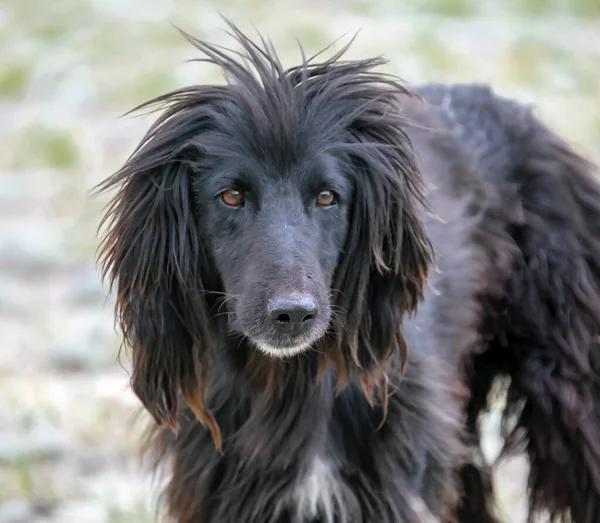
(378, 419)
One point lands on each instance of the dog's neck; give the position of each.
(280, 406)
(273, 412)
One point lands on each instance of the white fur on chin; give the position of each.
(285, 352)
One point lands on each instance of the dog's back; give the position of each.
(538, 204)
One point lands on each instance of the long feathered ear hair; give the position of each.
(153, 257)
(387, 257)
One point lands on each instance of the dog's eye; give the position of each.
(325, 198)
(232, 197)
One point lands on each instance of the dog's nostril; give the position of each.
(309, 317)
(283, 318)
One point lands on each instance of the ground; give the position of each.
(68, 70)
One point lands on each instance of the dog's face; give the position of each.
(275, 233)
(279, 208)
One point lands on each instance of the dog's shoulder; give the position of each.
(489, 129)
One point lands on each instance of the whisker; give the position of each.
(205, 291)
(226, 313)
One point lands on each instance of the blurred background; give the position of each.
(68, 70)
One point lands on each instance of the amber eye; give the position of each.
(325, 198)
(232, 197)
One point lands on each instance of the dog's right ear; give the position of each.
(152, 255)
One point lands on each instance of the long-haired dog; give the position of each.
(321, 274)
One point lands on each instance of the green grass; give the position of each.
(50, 22)
(441, 62)
(586, 7)
(131, 90)
(14, 78)
(580, 8)
(41, 146)
(450, 8)
(138, 514)
(160, 35)
(313, 38)
(21, 479)
(525, 62)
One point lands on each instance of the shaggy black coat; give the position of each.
(459, 242)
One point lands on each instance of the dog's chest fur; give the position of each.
(320, 494)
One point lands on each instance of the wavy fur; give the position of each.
(356, 427)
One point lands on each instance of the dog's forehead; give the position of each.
(278, 172)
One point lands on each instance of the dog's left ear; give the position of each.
(384, 270)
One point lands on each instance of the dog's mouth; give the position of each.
(279, 345)
(282, 351)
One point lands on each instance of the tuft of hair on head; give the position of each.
(152, 253)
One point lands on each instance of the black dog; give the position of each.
(270, 242)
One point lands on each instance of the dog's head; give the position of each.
(279, 208)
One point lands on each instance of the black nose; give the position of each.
(293, 315)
